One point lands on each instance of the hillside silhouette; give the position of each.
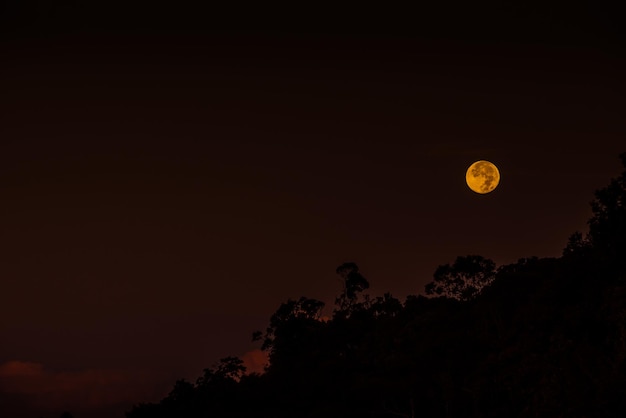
(542, 337)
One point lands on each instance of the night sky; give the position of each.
(170, 176)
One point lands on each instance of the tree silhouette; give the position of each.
(353, 285)
(577, 246)
(607, 226)
(229, 368)
(302, 311)
(464, 279)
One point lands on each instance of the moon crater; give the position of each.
(482, 177)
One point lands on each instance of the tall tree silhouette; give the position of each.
(353, 285)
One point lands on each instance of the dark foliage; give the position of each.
(464, 279)
(536, 338)
(353, 285)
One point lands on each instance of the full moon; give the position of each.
(482, 177)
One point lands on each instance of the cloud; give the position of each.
(20, 369)
(255, 361)
(83, 389)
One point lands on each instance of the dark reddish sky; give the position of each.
(167, 181)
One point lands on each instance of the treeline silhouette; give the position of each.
(542, 337)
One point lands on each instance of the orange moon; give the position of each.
(482, 177)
